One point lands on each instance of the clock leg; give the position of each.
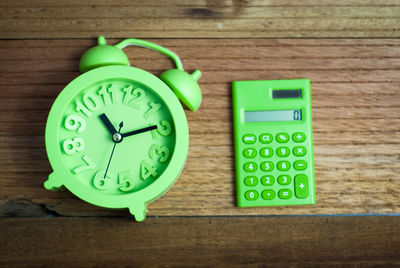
(139, 211)
(53, 183)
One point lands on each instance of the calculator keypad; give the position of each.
(284, 172)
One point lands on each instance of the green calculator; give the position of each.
(273, 143)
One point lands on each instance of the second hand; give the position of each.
(112, 152)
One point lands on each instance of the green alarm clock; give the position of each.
(117, 136)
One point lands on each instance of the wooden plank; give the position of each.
(356, 121)
(206, 19)
(170, 241)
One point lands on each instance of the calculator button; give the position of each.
(284, 179)
(299, 137)
(283, 165)
(282, 137)
(267, 180)
(301, 186)
(249, 152)
(267, 166)
(251, 195)
(300, 165)
(268, 194)
(249, 138)
(251, 181)
(266, 152)
(285, 194)
(250, 166)
(265, 138)
(283, 151)
(299, 151)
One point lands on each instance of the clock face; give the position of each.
(123, 162)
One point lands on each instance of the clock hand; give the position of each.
(108, 124)
(112, 152)
(130, 133)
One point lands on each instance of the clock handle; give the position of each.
(183, 84)
(152, 46)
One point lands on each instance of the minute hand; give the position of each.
(138, 131)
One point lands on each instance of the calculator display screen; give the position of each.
(272, 116)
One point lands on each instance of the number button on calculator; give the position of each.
(251, 181)
(251, 195)
(249, 152)
(267, 166)
(266, 152)
(284, 179)
(283, 151)
(250, 166)
(267, 180)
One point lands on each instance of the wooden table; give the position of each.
(349, 49)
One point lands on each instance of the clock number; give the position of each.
(81, 108)
(73, 145)
(126, 182)
(147, 170)
(127, 95)
(100, 182)
(154, 107)
(163, 128)
(133, 98)
(89, 165)
(73, 122)
(159, 153)
(90, 104)
(103, 92)
(90, 101)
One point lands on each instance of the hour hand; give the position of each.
(138, 131)
(108, 124)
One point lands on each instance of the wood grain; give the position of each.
(356, 121)
(200, 18)
(205, 242)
